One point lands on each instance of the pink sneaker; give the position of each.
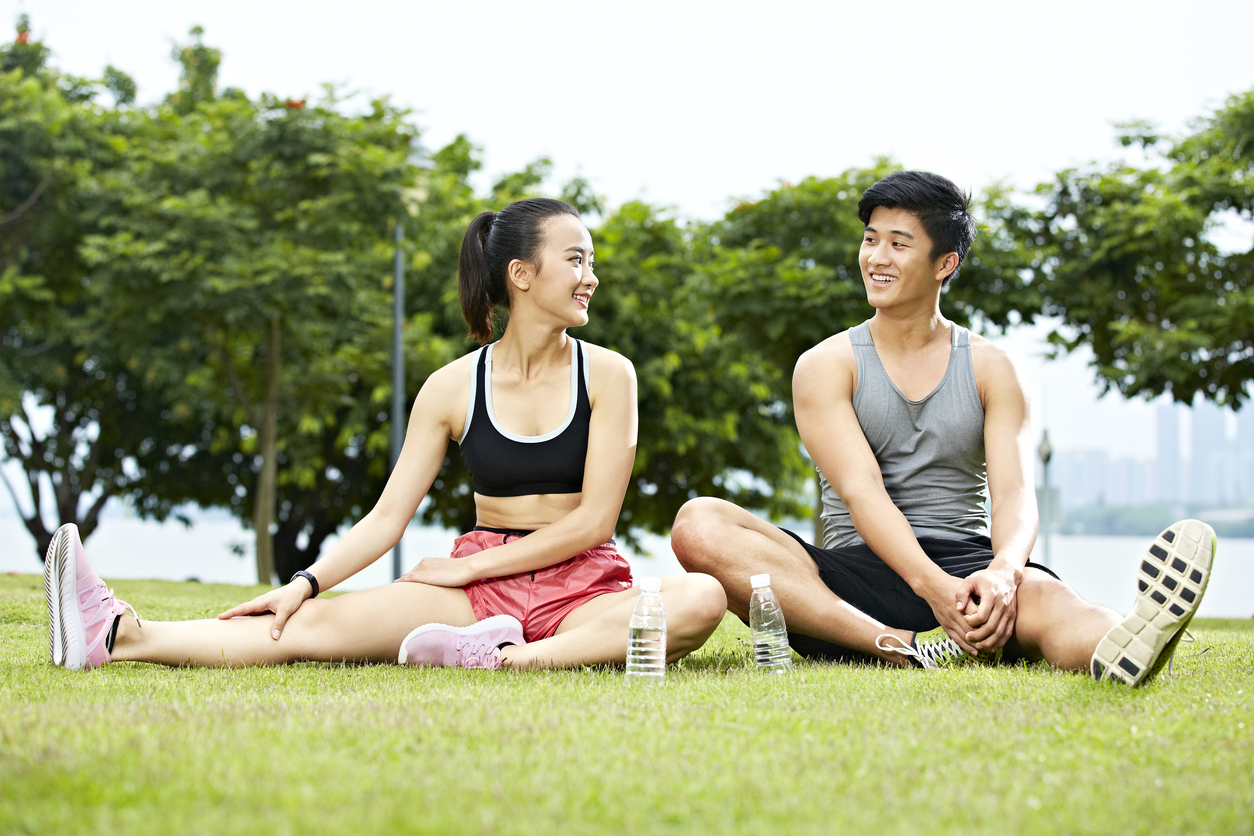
(476, 646)
(81, 609)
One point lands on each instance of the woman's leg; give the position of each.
(365, 626)
(596, 633)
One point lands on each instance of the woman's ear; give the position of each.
(518, 274)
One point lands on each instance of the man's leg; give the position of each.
(1057, 625)
(723, 540)
(1054, 624)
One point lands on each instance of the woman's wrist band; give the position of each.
(309, 577)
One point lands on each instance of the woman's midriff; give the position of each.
(523, 513)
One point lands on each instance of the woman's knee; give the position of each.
(702, 603)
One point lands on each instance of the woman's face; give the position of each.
(564, 281)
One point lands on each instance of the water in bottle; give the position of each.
(646, 638)
(766, 624)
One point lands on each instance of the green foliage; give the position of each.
(74, 412)
(1122, 255)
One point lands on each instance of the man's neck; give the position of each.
(908, 333)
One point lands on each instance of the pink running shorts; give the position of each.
(541, 599)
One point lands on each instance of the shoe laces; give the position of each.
(1171, 660)
(477, 651)
(107, 606)
(924, 656)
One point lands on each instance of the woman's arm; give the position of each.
(607, 471)
(438, 407)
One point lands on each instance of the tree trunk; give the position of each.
(264, 502)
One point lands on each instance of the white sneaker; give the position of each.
(1170, 584)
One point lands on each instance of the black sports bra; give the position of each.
(504, 464)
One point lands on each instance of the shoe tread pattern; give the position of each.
(1170, 582)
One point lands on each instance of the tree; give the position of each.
(1122, 255)
(74, 414)
(262, 229)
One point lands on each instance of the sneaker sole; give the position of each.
(52, 589)
(495, 622)
(73, 638)
(1170, 583)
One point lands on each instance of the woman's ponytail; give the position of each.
(475, 279)
(492, 241)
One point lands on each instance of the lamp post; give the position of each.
(1046, 496)
(418, 158)
(398, 368)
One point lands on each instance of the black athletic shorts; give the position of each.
(857, 575)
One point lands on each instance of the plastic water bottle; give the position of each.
(766, 624)
(646, 638)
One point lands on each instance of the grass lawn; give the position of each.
(314, 748)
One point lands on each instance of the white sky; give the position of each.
(690, 104)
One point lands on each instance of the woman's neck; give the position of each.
(530, 349)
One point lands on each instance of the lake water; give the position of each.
(1100, 569)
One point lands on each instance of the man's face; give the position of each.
(896, 258)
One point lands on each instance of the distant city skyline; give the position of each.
(1215, 471)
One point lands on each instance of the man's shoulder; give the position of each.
(837, 348)
(829, 367)
(994, 368)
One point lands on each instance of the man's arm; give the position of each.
(823, 386)
(1008, 451)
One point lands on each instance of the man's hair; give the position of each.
(942, 208)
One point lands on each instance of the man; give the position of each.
(912, 421)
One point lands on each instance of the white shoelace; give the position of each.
(924, 655)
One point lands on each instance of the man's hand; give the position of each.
(948, 596)
(995, 592)
(440, 571)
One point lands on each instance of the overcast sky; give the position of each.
(691, 104)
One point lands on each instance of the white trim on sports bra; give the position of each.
(487, 391)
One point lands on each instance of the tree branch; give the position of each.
(16, 503)
(92, 518)
(29, 202)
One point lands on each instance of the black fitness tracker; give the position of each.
(312, 581)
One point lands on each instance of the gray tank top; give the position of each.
(931, 452)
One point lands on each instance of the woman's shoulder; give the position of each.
(607, 362)
(446, 391)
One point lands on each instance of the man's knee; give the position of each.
(696, 530)
(1040, 591)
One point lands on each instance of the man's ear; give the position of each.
(518, 274)
(947, 264)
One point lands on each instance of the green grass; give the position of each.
(329, 749)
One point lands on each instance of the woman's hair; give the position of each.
(492, 241)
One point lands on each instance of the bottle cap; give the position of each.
(759, 581)
(650, 584)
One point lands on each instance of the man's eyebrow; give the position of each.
(900, 232)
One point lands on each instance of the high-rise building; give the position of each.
(1080, 476)
(1243, 456)
(1169, 479)
(1210, 472)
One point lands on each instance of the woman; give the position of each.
(547, 425)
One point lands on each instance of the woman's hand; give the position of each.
(440, 571)
(282, 602)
